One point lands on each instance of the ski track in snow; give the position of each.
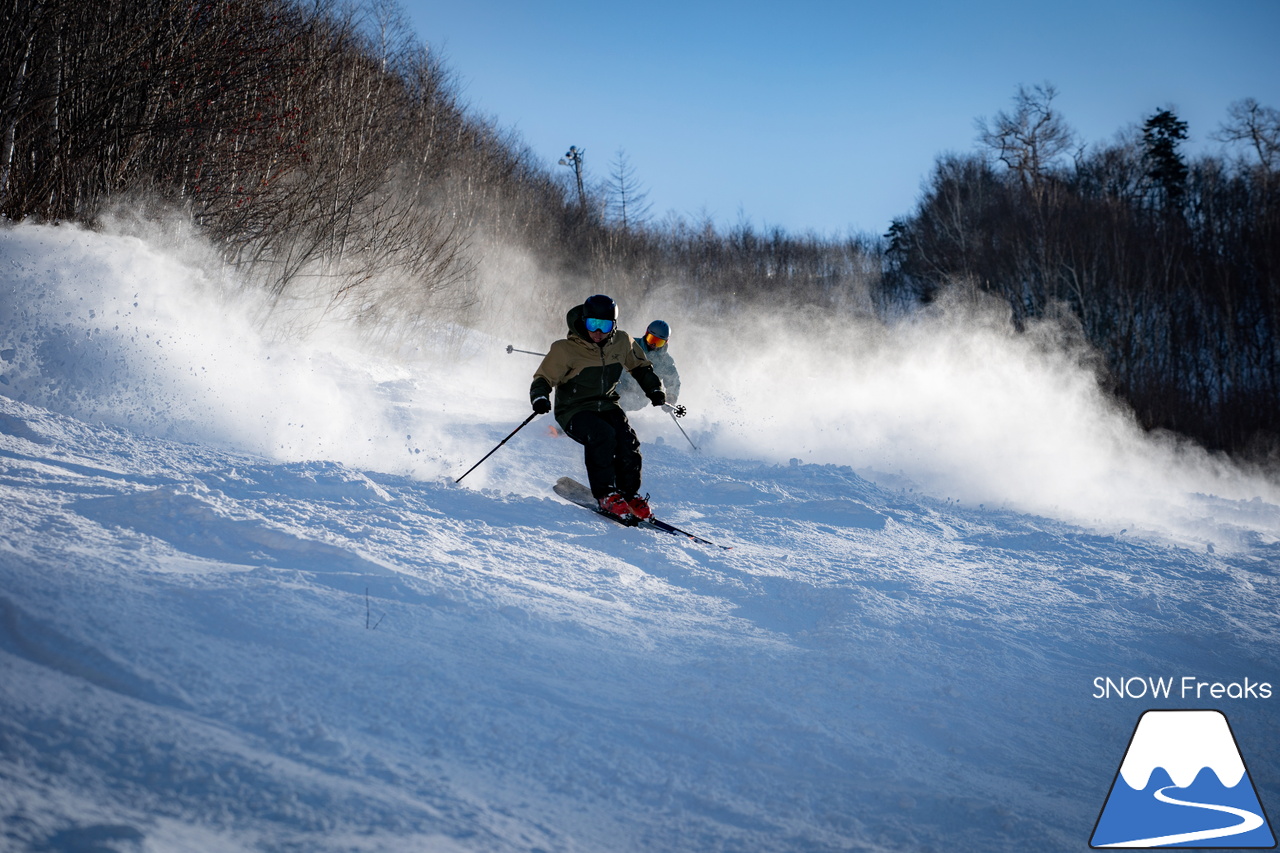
(190, 662)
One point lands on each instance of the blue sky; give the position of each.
(826, 116)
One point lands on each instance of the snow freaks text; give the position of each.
(1186, 687)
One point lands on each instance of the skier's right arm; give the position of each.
(544, 379)
(540, 395)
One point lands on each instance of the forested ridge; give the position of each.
(1170, 264)
(323, 148)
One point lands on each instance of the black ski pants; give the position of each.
(612, 451)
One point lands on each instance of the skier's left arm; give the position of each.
(641, 370)
(671, 380)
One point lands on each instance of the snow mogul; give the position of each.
(583, 369)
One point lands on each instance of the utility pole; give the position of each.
(574, 158)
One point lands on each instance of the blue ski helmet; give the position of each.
(659, 329)
(600, 307)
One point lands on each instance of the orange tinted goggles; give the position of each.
(652, 341)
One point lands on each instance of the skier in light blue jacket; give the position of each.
(654, 344)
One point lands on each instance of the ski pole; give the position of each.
(511, 349)
(500, 443)
(678, 412)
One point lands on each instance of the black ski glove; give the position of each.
(541, 406)
(658, 398)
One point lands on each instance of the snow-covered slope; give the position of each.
(225, 625)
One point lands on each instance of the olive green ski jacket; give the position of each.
(585, 375)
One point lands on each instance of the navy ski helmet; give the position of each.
(600, 307)
(659, 329)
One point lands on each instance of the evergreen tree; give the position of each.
(1166, 169)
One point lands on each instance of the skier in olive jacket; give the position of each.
(583, 368)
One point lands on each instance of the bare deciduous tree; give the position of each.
(1258, 126)
(1029, 139)
(628, 202)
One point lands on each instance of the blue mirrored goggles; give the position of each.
(596, 325)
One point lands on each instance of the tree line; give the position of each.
(323, 149)
(327, 152)
(317, 144)
(1170, 264)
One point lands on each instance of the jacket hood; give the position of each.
(574, 319)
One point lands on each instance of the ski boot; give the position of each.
(616, 505)
(639, 507)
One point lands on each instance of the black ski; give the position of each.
(658, 524)
(574, 492)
